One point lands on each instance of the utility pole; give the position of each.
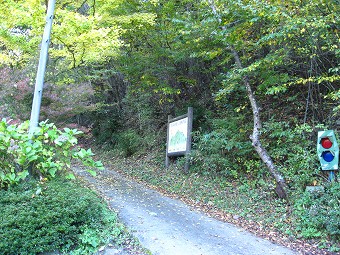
(39, 83)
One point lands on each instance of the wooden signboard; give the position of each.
(179, 137)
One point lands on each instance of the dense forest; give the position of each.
(262, 76)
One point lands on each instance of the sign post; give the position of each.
(179, 137)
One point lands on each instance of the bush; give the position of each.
(106, 122)
(226, 150)
(128, 142)
(45, 152)
(317, 214)
(293, 151)
(57, 215)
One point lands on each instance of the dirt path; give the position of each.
(167, 226)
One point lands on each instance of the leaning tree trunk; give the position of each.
(255, 137)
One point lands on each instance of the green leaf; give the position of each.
(93, 173)
(99, 165)
(70, 176)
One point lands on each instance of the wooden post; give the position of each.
(187, 153)
(167, 159)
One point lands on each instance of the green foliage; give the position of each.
(78, 28)
(46, 153)
(170, 53)
(226, 150)
(129, 130)
(56, 215)
(317, 214)
(140, 112)
(296, 54)
(129, 142)
(294, 152)
(106, 122)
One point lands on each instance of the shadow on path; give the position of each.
(167, 226)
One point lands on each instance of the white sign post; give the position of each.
(179, 137)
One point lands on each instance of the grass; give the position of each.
(57, 215)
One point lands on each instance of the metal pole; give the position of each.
(331, 176)
(39, 84)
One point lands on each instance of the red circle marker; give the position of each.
(326, 143)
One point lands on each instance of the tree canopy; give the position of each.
(126, 65)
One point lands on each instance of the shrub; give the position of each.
(317, 214)
(293, 151)
(106, 122)
(56, 215)
(128, 142)
(45, 153)
(225, 150)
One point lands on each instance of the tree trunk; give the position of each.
(255, 137)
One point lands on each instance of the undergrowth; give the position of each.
(58, 215)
